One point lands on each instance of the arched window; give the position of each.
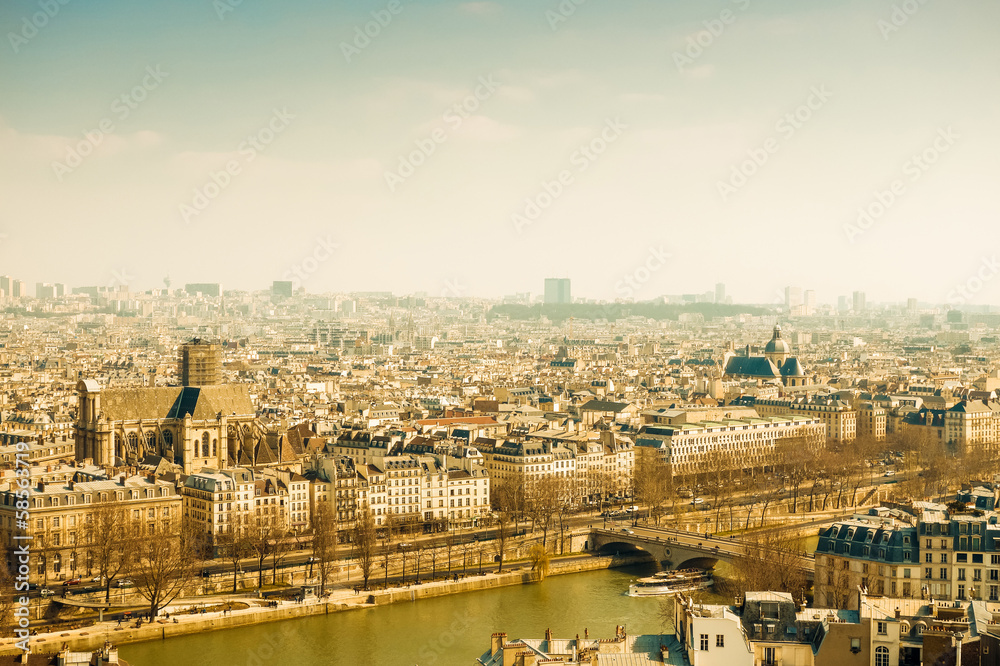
(204, 445)
(150, 441)
(168, 439)
(133, 441)
(881, 656)
(214, 441)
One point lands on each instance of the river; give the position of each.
(443, 631)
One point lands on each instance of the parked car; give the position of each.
(124, 582)
(889, 473)
(72, 581)
(46, 592)
(697, 500)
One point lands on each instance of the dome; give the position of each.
(776, 345)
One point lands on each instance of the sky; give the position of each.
(475, 148)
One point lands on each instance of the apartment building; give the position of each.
(59, 513)
(840, 418)
(929, 553)
(747, 443)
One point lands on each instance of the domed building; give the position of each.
(777, 363)
(777, 350)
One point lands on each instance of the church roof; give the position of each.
(792, 368)
(172, 402)
(751, 366)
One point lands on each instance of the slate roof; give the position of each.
(885, 544)
(752, 366)
(171, 402)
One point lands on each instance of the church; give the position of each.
(777, 363)
(200, 424)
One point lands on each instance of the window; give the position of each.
(881, 656)
(961, 592)
(929, 557)
(944, 558)
(720, 640)
(883, 628)
(704, 641)
(770, 657)
(855, 645)
(944, 573)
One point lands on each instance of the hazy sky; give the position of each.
(643, 118)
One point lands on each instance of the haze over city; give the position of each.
(228, 141)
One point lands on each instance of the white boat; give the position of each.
(671, 582)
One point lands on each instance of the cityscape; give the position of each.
(499, 333)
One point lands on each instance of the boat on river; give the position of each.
(671, 582)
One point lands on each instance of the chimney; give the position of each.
(897, 613)
(548, 635)
(497, 641)
(71, 484)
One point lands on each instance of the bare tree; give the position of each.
(543, 499)
(260, 537)
(7, 591)
(365, 543)
(324, 543)
(109, 535)
(234, 543)
(164, 563)
(652, 481)
(769, 562)
(280, 547)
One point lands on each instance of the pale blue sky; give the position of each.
(130, 205)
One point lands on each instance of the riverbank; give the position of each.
(340, 599)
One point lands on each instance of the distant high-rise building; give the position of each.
(204, 288)
(793, 297)
(281, 289)
(201, 363)
(60, 289)
(557, 291)
(19, 289)
(911, 306)
(45, 290)
(6, 284)
(842, 305)
(859, 301)
(809, 302)
(720, 292)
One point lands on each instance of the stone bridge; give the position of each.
(675, 549)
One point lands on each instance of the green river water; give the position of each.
(450, 630)
(446, 630)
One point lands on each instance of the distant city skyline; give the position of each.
(555, 291)
(479, 147)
